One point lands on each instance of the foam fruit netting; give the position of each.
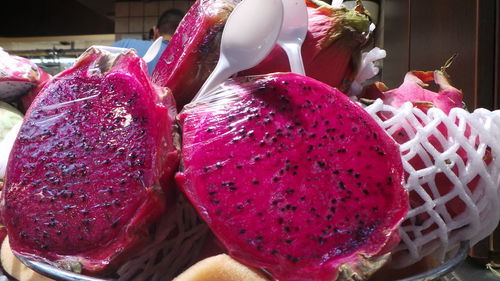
(177, 241)
(476, 133)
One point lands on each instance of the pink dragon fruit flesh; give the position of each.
(18, 76)
(331, 50)
(92, 167)
(294, 177)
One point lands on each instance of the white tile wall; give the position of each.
(137, 18)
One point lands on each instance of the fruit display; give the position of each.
(109, 173)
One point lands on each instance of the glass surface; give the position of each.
(448, 266)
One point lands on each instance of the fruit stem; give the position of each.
(448, 62)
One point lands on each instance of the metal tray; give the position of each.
(62, 275)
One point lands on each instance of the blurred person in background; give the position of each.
(167, 23)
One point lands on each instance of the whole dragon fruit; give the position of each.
(92, 166)
(438, 167)
(18, 76)
(294, 177)
(331, 50)
(413, 90)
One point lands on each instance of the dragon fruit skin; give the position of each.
(18, 76)
(412, 90)
(332, 48)
(92, 165)
(193, 51)
(293, 177)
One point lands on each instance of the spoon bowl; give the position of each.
(153, 50)
(248, 37)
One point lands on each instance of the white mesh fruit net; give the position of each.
(452, 176)
(177, 241)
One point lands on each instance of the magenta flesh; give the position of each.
(292, 176)
(92, 165)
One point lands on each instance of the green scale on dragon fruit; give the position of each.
(93, 164)
(294, 177)
(331, 50)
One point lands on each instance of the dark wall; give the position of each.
(50, 18)
(423, 34)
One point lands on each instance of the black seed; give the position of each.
(288, 241)
(280, 220)
(242, 231)
(341, 185)
(115, 222)
(365, 191)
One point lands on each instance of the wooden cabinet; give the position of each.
(423, 34)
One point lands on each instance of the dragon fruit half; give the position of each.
(91, 169)
(447, 160)
(294, 177)
(331, 50)
(18, 76)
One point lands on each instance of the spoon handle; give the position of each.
(293, 51)
(220, 73)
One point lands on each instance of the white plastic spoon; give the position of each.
(153, 50)
(250, 34)
(293, 33)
